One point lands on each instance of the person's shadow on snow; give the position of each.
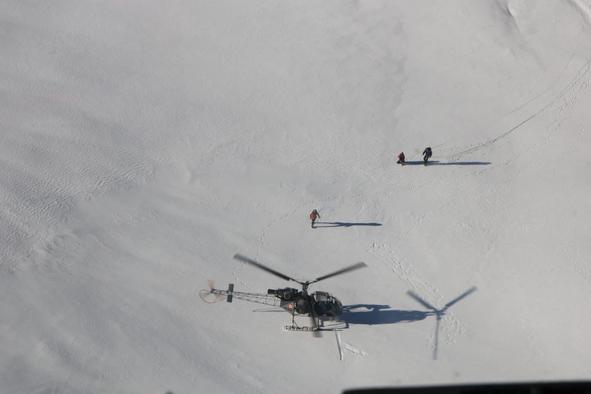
(343, 224)
(448, 163)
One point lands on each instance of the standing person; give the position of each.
(313, 216)
(401, 158)
(427, 153)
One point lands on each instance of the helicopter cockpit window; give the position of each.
(321, 296)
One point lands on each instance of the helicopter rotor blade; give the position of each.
(341, 271)
(247, 260)
(458, 298)
(418, 299)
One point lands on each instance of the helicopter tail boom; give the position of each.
(213, 295)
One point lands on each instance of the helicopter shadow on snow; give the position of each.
(382, 314)
(373, 314)
(343, 224)
(448, 163)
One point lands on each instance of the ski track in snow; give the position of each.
(566, 97)
(352, 349)
(279, 219)
(560, 107)
(343, 346)
(584, 8)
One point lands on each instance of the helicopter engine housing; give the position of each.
(286, 294)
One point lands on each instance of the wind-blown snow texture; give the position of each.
(144, 143)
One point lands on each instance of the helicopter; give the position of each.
(318, 306)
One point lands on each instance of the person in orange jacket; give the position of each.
(313, 216)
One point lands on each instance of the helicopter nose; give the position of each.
(302, 306)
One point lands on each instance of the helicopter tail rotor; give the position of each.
(210, 295)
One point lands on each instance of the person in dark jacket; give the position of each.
(427, 153)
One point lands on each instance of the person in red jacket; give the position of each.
(401, 158)
(313, 216)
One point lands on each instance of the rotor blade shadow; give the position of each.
(369, 314)
(460, 297)
(439, 313)
(344, 224)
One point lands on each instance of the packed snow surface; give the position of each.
(144, 143)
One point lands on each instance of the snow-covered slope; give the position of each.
(144, 143)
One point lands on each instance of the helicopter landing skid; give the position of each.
(291, 327)
(336, 326)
